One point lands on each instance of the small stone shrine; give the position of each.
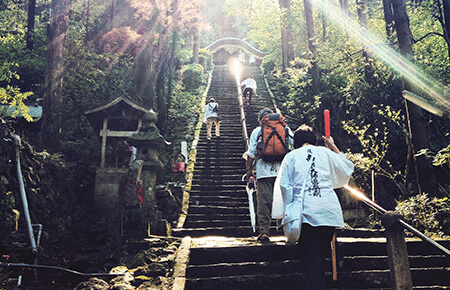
(122, 124)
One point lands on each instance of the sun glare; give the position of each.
(386, 54)
(361, 196)
(236, 69)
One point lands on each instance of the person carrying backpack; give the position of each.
(212, 116)
(269, 142)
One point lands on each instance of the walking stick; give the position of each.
(326, 116)
(333, 257)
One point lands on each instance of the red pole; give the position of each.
(326, 116)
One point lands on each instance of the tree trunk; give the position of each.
(172, 66)
(286, 34)
(446, 23)
(30, 24)
(160, 96)
(426, 178)
(111, 17)
(144, 75)
(362, 19)
(324, 23)
(312, 46)
(345, 13)
(196, 47)
(314, 67)
(388, 19)
(88, 18)
(52, 105)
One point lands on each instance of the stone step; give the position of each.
(239, 264)
(214, 189)
(205, 209)
(217, 216)
(221, 145)
(199, 175)
(290, 266)
(232, 231)
(211, 182)
(219, 166)
(233, 205)
(218, 200)
(374, 279)
(219, 159)
(217, 223)
(223, 142)
(278, 251)
(233, 155)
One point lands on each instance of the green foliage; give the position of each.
(183, 115)
(11, 95)
(91, 79)
(8, 215)
(427, 215)
(442, 157)
(185, 56)
(20, 70)
(374, 138)
(205, 59)
(192, 76)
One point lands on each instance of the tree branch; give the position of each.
(426, 35)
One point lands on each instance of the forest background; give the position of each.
(353, 58)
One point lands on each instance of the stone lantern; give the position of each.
(148, 140)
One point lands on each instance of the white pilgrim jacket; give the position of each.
(326, 171)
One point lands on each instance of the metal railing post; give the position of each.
(397, 251)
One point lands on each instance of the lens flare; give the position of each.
(361, 196)
(236, 69)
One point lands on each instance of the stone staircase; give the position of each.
(362, 264)
(223, 253)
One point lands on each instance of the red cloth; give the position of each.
(178, 166)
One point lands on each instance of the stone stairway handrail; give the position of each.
(242, 114)
(394, 224)
(401, 222)
(193, 155)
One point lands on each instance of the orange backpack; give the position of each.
(272, 142)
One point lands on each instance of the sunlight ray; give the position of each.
(410, 72)
(361, 196)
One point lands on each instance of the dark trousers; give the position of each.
(314, 245)
(264, 198)
(250, 93)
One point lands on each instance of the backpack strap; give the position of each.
(274, 132)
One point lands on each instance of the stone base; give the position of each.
(107, 186)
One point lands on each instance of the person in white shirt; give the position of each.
(248, 86)
(241, 57)
(212, 116)
(310, 173)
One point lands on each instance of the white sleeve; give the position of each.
(251, 151)
(341, 170)
(283, 191)
(278, 193)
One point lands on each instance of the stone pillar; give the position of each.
(397, 251)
